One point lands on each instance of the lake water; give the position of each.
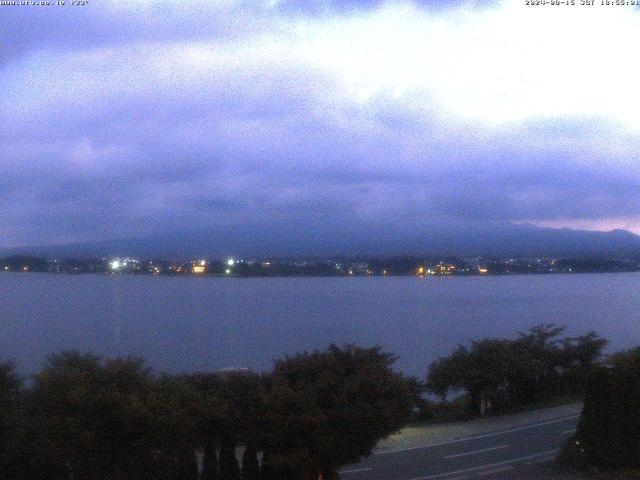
(189, 324)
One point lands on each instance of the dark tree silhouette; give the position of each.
(10, 392)
(608, 428)
(229, 469)
(502, 373)
(327, 409)
(91, 417)
(210, 461)
(250, 466)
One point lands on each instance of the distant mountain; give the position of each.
(443, 238)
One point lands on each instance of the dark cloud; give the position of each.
(155, 120)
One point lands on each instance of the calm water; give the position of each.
(186, 324)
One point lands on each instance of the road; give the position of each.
(470, 457)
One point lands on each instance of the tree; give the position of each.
(10, 392)
(503, 373)
(535, 359)
(229, 469)
(92, 419)
(327, 409)
(241, 408)
(446, 373)
(206, 417)
(250, 465)
(231, 414)
(626, 360)
(186, 466)
(210, 461)
(482, 371)
(176, 407)
(609, 424)
(579, 356)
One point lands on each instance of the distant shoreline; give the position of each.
(339, 266)
(221, 276)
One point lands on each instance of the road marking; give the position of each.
(476, 451)
(545, 459)
(355, 470)
(475, 437)
(495, 471)
(568, 431)
(485, 467)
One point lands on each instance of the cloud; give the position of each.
(125, 121)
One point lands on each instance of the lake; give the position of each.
(190, 324)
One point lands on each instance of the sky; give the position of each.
(128, 119)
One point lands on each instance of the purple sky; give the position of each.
(124, 119)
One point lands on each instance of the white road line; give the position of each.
(476, 451)
(475, 437)
(355, 470)
(485, 467)
(545, 459)
(495, 471)
(568, 431)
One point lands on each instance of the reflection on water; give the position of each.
(186, 324)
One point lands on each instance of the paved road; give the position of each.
(470, 457)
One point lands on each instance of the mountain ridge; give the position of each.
(440, 239)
